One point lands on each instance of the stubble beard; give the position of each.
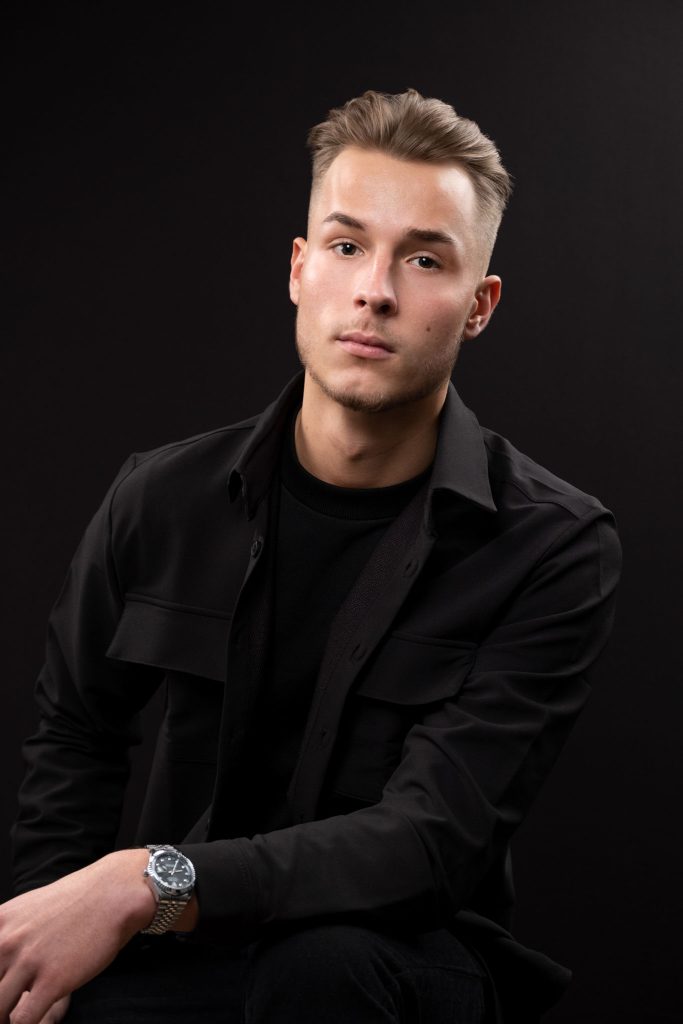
(435, 373)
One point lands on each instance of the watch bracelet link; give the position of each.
(168, 911)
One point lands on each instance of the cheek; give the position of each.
(434, 309)
(315, 276)
(311, 292)
(326, 280)
(445, 318)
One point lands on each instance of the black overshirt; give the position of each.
(451, 677)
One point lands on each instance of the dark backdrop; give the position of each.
(157, 175)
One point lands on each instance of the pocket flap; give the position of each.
(176, 639)
(411, 669)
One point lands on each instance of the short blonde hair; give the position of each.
(410, 127)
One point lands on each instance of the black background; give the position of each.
(157, 174)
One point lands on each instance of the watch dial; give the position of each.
(173, 870)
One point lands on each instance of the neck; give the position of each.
(349, 448)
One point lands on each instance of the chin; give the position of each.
(364, 402)
(370, 399)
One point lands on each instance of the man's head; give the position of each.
(403, 212)
(410, 127)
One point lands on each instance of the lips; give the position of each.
(365, 346)
(371, 340)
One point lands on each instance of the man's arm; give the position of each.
(78, 903)
(55, 938)
(78, 760)
(468, 771)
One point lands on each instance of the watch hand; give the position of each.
(175, 866)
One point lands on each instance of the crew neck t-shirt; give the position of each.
(324, 536)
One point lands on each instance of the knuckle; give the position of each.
(26, 963)
(7, 946)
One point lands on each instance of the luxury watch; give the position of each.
(171, 877)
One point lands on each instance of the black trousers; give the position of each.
(326, 973)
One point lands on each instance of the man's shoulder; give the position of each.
(218, 443)
(187, 460)
(201, 464)
(516, 477)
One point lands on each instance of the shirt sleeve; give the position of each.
(468, 772)
(77, 761)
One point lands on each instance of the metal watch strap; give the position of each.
(168, 911)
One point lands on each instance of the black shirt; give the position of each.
(324, 536)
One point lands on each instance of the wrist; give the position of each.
(124, 879)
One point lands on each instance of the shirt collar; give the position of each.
(460, 462)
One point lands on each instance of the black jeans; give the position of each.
(325, 973)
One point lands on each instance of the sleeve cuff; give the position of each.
(229, 902)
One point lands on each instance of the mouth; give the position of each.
(366, 346)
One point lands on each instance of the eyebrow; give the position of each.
(414, 234)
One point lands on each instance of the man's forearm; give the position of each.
(56, 938)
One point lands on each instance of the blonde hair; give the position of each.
(410, 127)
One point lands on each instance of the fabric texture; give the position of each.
(299, 975)
(451, 677)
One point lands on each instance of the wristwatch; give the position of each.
(171, 877)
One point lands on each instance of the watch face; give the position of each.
(174, 871)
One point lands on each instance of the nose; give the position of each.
(375, 288)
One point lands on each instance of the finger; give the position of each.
(13, 989)
(57, 1011)
(33, 1006)
(19, 1009)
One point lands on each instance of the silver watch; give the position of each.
(171, 877)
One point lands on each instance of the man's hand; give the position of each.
(54, 939)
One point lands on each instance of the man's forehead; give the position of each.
(371, 187)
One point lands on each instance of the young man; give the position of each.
(374, 620)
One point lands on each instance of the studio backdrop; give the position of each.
(157, 176)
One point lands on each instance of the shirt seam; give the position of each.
(134, 597)
(185, 442)
(584, 496)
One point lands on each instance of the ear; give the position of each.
(296, 262)
(485, 301)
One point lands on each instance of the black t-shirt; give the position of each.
(324, 536)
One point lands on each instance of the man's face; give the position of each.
(389, 281)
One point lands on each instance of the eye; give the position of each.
(428, 262)
(344, 247)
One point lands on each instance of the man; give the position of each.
(407, 607)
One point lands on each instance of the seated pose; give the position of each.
(374, 621)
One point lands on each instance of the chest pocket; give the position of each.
(191, 647)
(408, 678)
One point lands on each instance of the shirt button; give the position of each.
(256, 548)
